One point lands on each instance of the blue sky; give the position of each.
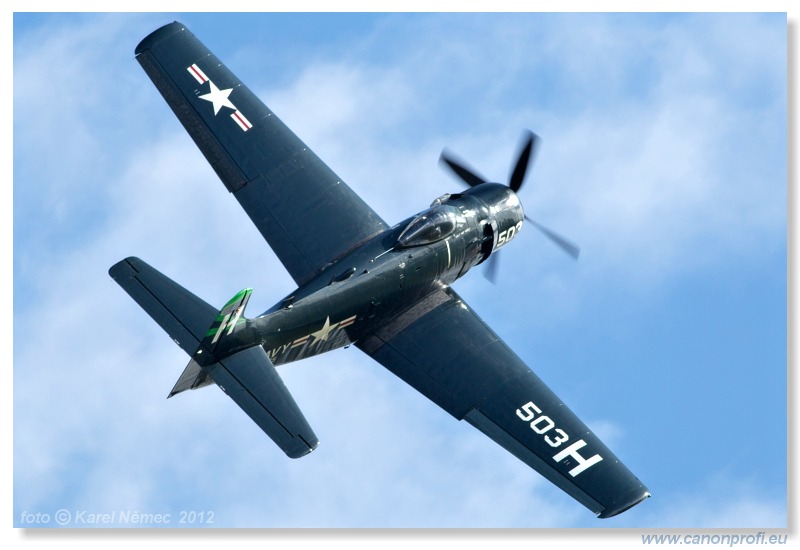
(663, 155)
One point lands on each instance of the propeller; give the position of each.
(526, 155)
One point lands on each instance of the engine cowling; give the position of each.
(496, 210)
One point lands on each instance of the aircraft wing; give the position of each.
(307, 214)
(445, 351)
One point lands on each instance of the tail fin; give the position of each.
(194, 376)
(227, 319)
(248, 376)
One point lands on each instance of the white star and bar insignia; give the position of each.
(219, 98)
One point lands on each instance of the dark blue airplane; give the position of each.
(384, 289)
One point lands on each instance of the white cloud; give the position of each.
(722, 501)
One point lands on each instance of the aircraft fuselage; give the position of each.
(381, 278)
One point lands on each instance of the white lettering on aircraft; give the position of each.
(543, 424)
(321, 335)
(505, 236)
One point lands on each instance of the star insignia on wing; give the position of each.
(218, 97)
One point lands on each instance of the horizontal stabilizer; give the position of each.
(250, 379)
(248, 376)
(181, 314)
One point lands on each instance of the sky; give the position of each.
(663, 155)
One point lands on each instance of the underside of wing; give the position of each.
(445, 351)
(303, 209)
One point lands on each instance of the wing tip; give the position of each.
(615, 511)
(158, 35)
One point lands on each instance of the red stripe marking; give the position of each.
(300, 341)
(243, 122)
(199, 74)
(348, 322)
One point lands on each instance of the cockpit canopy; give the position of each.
(435, 224)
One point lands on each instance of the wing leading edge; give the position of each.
(307, 214)
(445, 351)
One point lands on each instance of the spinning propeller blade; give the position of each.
(459, 167)
(564, 244)
(525, 156)
(471, 177)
